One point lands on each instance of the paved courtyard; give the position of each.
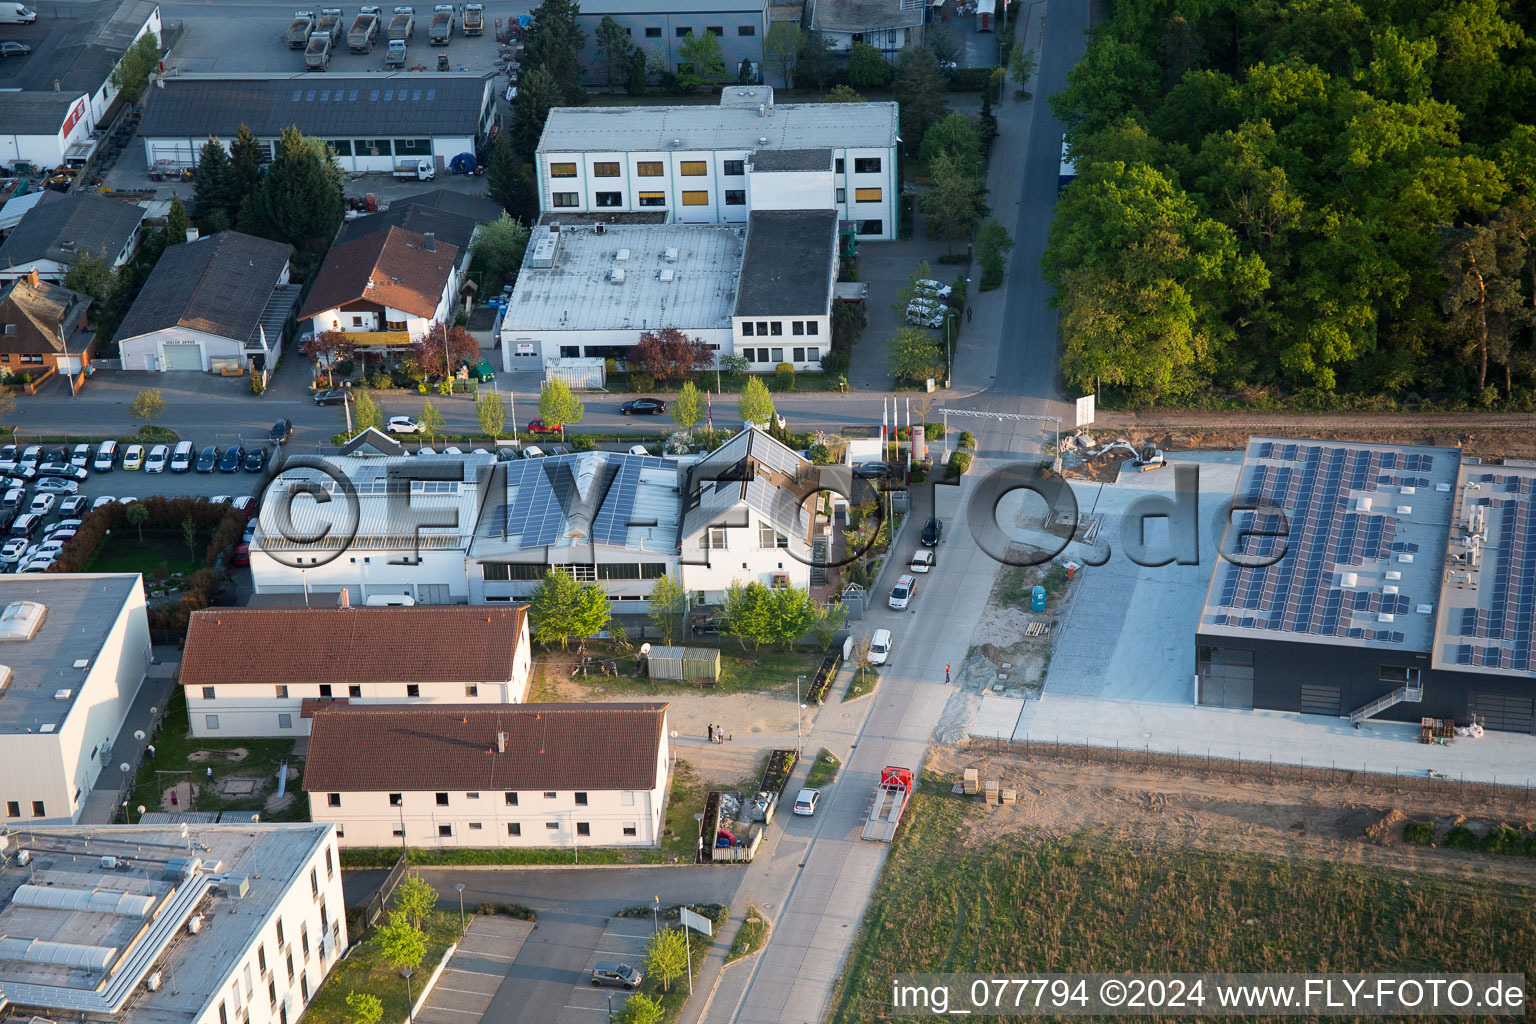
(476, 971)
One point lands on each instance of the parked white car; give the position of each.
(402, 425)
(928, 286)
(923, 560)
(924, 315)
(901, 593)
(159, 455)
(42, 504)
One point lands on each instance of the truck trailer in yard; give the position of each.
(402, 27)
(299, 29)
(473, 19)
(365, 29)
(442, 25)
(890, 803)
(317, 55)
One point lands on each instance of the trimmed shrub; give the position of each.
(959, 463)
(1461, 838)
(967, 439)
(520, 911)
(642, 382)
(1420, 833)
(1503, 839)
(582, 442)
(834, 362)
(784, 377)
(821, 455)
(933, 431)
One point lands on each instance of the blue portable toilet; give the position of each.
(1037, 599)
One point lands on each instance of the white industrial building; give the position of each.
(692, 164)
(534, 775)
(783, 311)
(262, 671)
(592, 290)
(371, 121)
(73, 650)
(661, 26)
(168, 924)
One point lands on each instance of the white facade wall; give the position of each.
(318, 921)
(59, 769)
(103, 97)
(626, 596)
(796, 190)
(416, 326)
(715, 198)
(528, 350)
(764, 353)
(744, 559)
(147, 352)
(356, 160)
(457, 818)
(47, 150)
(888, 41)
(436, 577)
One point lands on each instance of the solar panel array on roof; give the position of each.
(1328, 533)
(617, 513)
(1508, 577)
(546, 495)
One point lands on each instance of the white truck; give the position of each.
(300, 29)
(331, 25)
(317, 55)
(442, 25)
(417, 169)
(395, 56)
(364, 30)
(402, 27)
(473, 19)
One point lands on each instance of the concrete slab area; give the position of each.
(468, 984)
(624, 940)
(1278, 736)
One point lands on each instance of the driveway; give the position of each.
(574, 907)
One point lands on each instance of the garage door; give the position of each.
(1320, 700)
(1220, 691)
(1497, 711)
(183, 357)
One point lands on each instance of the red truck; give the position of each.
(890, 803)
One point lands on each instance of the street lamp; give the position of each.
(656, 913)
(410, 1004)
(799, 707)
(460, 886)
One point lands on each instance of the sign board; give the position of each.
(697, 922)
(1085, 410)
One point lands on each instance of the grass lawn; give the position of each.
(366, 971)
(863, 682)
(125, 552)
(823, 771)
(173, 761)
(740, 672)
(750, 936)
(1096, 901)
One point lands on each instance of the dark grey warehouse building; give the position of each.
(1405, 586)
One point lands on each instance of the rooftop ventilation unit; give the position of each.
(1363, 503)
(82, 663)
(1442, 488)
(1410, 489)
(1393, 574)
(1424, 609)
(1389, 590)
(762, 140)
(666, 275)
(20, 619)
(48, 728)
(1405, 510)
(1349, 579)
(621, 255)
(1386, 617)
(669, 254)
(63, 694)
(545, 246)
(195, 924)
(676, 143)
(153, 982)
(1406, 559)
(616, 275)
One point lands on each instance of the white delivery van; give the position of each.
(16, 14)
(880, 647)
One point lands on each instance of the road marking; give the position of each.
(449, 1009)
(483, 974)
(594, 1009)
(493, 956)
(465, 991)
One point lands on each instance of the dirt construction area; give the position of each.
(1239, 810)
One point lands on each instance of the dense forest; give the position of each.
(1317, 202)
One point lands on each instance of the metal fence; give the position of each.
(1516, 789)
(374, 908)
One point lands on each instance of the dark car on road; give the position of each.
(332, 396)
(255, 460)
(14, 49)
(874, 470)
(609, 972)
(933, 529)
(233, 456)
(282, 430)
(208, 459)
(643, 407)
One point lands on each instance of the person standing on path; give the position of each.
(946, 675)
(970, 313)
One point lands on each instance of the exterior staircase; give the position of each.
(819, 560)
(1410, 693)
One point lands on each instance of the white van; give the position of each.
(106, 457)
(16, 14)
(390, 601)
(181, 458)
(879, 647)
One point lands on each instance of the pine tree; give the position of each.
(176, 221)
(214, 188)
(298, 200)
(616, 50)
(552, 43)
(501, 174)
(245, 157)
(537, 94)
(637, 77)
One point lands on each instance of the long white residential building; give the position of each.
(551, 775)
(695, 164)
(73, 650)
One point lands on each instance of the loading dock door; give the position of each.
(183, 357)
(1223, 691)
(1320, 700)
(1498, 711)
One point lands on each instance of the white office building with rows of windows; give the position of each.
(695, 164)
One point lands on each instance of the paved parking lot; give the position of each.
(623, 940)
(475, 972)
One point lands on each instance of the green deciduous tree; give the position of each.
(746, 613)
(954, 205)
(687, 409)
(700, 61)
(366, 412)
(431, 420)
(1482, 297)
(614, 50)
(842, 94)
(755, 404)
(537, 94)
(666, 956)
(669, 603)
(496, 252)
(920, 90)
(415, 898)
(815, 65)
(1022, 68)
(914, 354)
(562, 608)
(147, 405)
(557, 405)
(176, 221)
(829, 621)
(298, 200)
(401, 943)
(491, 411)
(781, 50)
(137, 515)
(640, 1009)
(364, 1008)
(992, 248)
(552, 43)
(868, 68)
(90, 274)
(215, 190)
(133, 71)
(955, 135)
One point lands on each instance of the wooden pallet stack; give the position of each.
(970, 783)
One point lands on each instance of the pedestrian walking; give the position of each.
(210, 771)
(946, 675)
(151, 749)
(970, 313)
(711, 732)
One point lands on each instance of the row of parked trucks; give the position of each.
(320, 36)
